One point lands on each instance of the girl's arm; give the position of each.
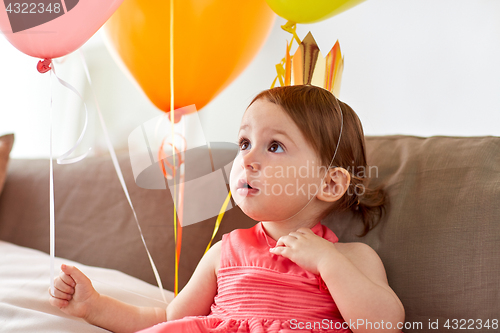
(354, 275)
(75, 296)
(197, 296)
(356, 279)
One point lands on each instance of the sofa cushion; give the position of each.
(440, 239)
(6, 143)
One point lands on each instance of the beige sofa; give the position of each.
(440, 239)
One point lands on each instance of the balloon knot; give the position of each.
(43, 66)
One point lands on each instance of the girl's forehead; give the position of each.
(266, 115)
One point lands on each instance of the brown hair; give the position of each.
(314, 110)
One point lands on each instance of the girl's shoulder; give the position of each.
(356, 251)
(353, 247)
(215, 253)
(366, 259)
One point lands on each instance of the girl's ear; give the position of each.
(334, 185)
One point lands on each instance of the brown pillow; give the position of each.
(6, 142)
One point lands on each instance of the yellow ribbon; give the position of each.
(219, 220)
(280, 69)
(291, 27)
(283, 67)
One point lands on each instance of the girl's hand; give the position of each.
(73, 292)
(304, 248)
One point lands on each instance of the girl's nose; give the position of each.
(253, 166)
(249, 162)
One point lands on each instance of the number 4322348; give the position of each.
(470, 324)
(33, 8)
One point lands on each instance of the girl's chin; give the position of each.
(266, 209)
(258, 215)
(252, 211)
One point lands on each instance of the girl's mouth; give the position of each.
(244, 188)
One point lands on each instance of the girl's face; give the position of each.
(277, 162)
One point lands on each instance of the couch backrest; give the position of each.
(440, 239)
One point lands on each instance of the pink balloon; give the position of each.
(51, 29)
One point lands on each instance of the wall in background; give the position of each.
(411, 67)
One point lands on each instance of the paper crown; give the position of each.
(308, 66)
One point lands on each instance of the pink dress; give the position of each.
(260, 292)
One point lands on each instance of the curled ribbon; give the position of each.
(283, 67)
(162, 160)
(291, 27)
(63, 158)
(45, 66)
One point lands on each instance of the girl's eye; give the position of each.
(276, 148)
(244, 145)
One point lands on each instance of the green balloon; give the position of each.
(310, 11)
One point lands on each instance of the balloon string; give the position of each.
(283, 69)
(49, 66)
(177, 235)
(162, 160)
(120, 175)
(181, 184)
(219, 220)
(51, 199)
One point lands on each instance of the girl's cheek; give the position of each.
(234, 172)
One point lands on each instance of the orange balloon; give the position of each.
(214, 40)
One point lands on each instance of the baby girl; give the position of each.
(289, 272)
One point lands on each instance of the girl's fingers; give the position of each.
(286, 240)
(62, 286)
(305, 231)
(279, 250)
(296, 234)
(61, 295)
(75, 274)
(67, 279)
(57, 302)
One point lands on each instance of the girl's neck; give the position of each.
(277, 229)
(307, 217)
